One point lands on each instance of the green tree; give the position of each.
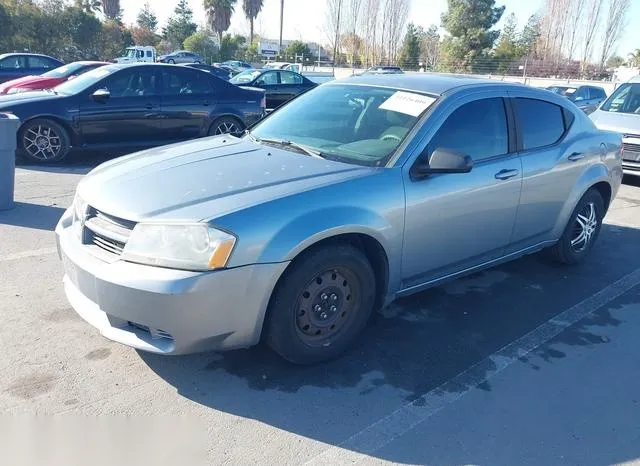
(89, 6)
(529, 36)
(615, 61)
(470, 37)
(82, 35)
(219, 14)
(230, 46)
(634, 58)
(202, 43)
(297, 48)
(430, 47)
(114, 38)
(252, 54)
(180, 25)
(251, 9)
(5, 28)
(508, 47)
(147, 19)
(144, 36)
(410, 51)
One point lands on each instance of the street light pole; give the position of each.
(281, 21)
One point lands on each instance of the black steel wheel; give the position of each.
(582, 230)
(43, 141)
(321, 304)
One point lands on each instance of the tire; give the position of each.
(43, 141)
(582, 230)
(321, 304)
(226, 125)
(171, 62)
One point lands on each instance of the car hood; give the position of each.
(625, 123)
(18, 82)
(205, 179)
(26, 97)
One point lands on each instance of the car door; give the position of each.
(291, 85)
(130, 116)
(187, 101)
(455, 222)
(269, 81)
(13, 67)
(551, 165)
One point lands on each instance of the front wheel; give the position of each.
(43, 141)
(321, 304)
(582, 230)
(226, 125)
(171, 62)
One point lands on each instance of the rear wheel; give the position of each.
(321, 304)
(43, 141)
(171, 61)
(582, 230)
(226, 125)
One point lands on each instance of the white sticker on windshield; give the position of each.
(407, 103)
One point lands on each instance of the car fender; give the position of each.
(591, 176)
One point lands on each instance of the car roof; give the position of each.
(429, 83)
(635, 79)
(5, 55)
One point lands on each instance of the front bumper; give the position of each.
(164, 310)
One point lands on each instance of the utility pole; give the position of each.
(281, 21)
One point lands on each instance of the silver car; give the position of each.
(621, 113)
(356, 193)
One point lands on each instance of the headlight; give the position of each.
(17, 90)
(188, 247)
(79, 214)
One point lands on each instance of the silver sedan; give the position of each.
(358, 192)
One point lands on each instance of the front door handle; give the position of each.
(576, 156)
(506, 174)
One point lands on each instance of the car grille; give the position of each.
(106, 232)
(631, 147)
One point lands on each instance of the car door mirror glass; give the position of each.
(101, 95)
(443, 160)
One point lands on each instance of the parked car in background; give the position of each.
(129, 106)
(138, 54)
(19, 65)
(181, 56)
(280, 86)
(384, 70)
(49, 79)
(621, 113)
(236, 65)
(587, 98)
(218, 71)
(318, 77)
(352, 195)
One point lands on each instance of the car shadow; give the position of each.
(80, 162)
(410, 348)
(35, 216)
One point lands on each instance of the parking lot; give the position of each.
(529, 363)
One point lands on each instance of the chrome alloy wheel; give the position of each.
(42, 142)
(227, 127)
(584, 228)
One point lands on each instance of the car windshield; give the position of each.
(362, 125)
(63, 71)
(85, 80)
(626, 99)
(130, 53)
(563, 90)
(245, 77)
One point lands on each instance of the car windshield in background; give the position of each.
(363, 125)
(63, 71)
(626, 99)
(85, 80)
(245, 77)
(564, 91)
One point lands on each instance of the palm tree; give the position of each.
(251, 9)
(219, 14)
(111, 8)
(634, 58)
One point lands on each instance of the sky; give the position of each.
(304, 19)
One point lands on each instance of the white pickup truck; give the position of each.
(138, 54)
(315, 76)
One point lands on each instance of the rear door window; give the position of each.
(185, 82)
(541, 123)
(17, 62)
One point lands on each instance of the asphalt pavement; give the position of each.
(528, 363)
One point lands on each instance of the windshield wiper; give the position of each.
(301, 147)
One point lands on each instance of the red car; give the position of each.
(50, 79)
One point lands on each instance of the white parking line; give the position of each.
(30, 253)
(387, 429)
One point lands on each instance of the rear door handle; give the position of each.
(506, 174)
(576, 156)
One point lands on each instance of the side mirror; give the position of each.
(443, 161)
(101, 95)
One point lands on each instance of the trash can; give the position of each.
(9, 125)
